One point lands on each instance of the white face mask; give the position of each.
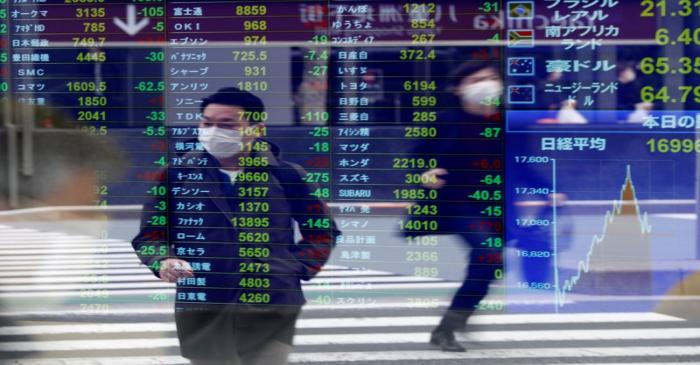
(628, 75)
(482, 91)
(220, 142)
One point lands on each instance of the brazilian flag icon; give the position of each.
(521, 9)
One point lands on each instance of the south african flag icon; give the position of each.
(521, 38)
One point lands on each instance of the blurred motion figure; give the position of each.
(479, 88)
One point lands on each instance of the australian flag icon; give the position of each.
(521, 66)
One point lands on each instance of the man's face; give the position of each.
(230, 117)
(224, 116)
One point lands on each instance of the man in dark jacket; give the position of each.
(224, 234)
(478, 87)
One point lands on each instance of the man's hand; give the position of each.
(431, 178)
(173, 269)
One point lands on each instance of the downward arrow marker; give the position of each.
(131, 27)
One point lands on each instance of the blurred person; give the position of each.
(479, 87)
(568, 114)
(69, 165)
(629, 86)
(225, 329)
(641, 113)
(69, 162)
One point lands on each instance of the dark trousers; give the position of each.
(272, 352)
(480, 272)
(231, 335)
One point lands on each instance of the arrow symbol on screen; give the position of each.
(131, 27)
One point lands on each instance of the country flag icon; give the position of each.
(521, 94)
(521, 38)
(521, 66)
(521, 10)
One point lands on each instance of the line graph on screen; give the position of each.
(625, 234)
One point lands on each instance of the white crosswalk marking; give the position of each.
(45, 273)
(356, 322)
(374, 338)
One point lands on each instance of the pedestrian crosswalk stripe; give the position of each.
(309, 307)
(40, 245)
(68, 294)
(59, 258)
(589, 352)
(672, 352)
(503, 336)
(48, 250)
(83, 345)
(377, 338)
(86, 329)
(99, 262)
(126, 360)
(148, 276)
(50, 238)
(295, 358)
(490, 319)
(12, 230)
(56, 278)
(345, 272)
(349, 285)
(86, 286)
(36, 271)
(312, 305)
(356, 322)
(58, 241)
(140, 269)
(88, 315)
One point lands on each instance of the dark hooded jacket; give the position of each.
(238, 238)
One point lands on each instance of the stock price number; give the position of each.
(254, 252)
(673, 145)
(414, 163)
(422, 256)
(250, 222)
(687, 37)
(665, 65)
(253, 176)
(416, 209)
(253, 237)
(255, 298)
(418, 225)
(253, 267)
(653, 8)
(666, 94)
(255, 283)
(415, 194)
(486, 195)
